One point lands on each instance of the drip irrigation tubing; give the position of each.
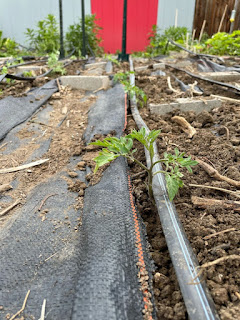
(204, 79)
(24, 63)
(16, 77)
(194, 54)
(196, 297)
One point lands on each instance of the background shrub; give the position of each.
(45, 39)
(74, 37)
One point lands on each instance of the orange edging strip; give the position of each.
(141, 264)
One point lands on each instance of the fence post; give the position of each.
(61, 30)
(124, 56)
(83, 31)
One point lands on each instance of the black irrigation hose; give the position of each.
(32, 62)
(192, 53)
(203, 78)
(197, 299)
(15, 77)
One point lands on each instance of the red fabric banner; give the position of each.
(141, 16)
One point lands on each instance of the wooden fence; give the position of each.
(212, 11)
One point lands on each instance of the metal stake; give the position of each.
(83, 31)
(124, 56)
(61, 31)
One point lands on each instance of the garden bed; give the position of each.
(213, 231)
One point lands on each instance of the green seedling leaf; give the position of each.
(121, 146)
(153, 135)
(104, 157)
(140, 136)
(173, 185)
(176, 151)
(115, 147)
(100, 143)
(129, 144)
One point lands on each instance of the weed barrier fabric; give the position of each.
(40, 256)
(107, 114)
(98, 272)
(113, 249)
(108, 286)
(15, 110)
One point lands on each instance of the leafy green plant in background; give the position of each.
(27, 73)
(114, 148)
(8, 47)
(222, 43)
(54, 64)
(2, 40)
(158, 41)
(74, 36)
(5, 71)
(45, 38)
(131, 89)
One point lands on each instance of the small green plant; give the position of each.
(113, 60)
(54, 64)
(114, 148)
(8, 47)
(2, 40)
(159, 41)
(122, 76)
(5, 71)
(131, 89)
(45, 38)
(27, 73)
(222, 43)
(74, 37)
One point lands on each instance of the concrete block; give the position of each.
(182, 64)
(3, 59)
(222, 76)
(141, 68)
(160, 65)
(94, 72)
(101, 65)
(28, 68)
(109, 67)
(139, 59)
(90, 83)
(185, 104)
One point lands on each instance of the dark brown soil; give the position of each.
(158, 90)
(212, 145)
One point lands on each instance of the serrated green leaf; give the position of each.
(172, 186)
(176, 151)
(104, 157)
(140, 136)
(189, 169)
(99, 143)
(153, 135)
(129, 144)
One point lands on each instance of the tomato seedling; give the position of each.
(114, 147)
(130, 89)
